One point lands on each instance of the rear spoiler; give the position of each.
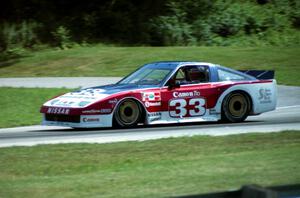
(260, 74)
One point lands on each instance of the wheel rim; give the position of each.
(128, 112)
(237, 105)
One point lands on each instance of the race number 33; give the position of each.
(187, 107)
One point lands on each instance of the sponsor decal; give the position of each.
(92, 111)
(154, 119)
(87, 94)
(79, 97)
(65, 103)
(52, 102)
(113, 101)
(53, 110)
(83, 92)
(69, 103)
(186, 94)
(265, 95)
(83, 103)
(99, 90)
(213, 111)
(97, 111)
(105, 110)
(152, 104)
(91, 120)
(154, 116)
(151, 96)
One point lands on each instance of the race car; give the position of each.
(167, 92)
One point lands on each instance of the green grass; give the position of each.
(119, 61)
(20, 106)
(167, 167)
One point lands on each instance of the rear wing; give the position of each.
(260, 74)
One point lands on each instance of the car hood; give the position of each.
(85, 97)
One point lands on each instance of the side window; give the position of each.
(200, 75)
(180, 75)
(227, 75)
(192, 75)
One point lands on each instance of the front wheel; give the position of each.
(127, 113)
(235, 107)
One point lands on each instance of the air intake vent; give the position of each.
(63, 118)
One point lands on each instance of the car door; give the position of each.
(187, 93)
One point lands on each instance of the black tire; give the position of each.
(235, 107)
(127, 114)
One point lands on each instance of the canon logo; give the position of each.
(90, 119)
(186, 94)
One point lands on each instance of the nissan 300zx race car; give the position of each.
(167, 92)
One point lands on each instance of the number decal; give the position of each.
(187, 107)
(180, 109)
(198, 103)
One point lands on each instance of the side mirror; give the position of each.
(177, 84)
(173, 84)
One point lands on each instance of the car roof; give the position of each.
(174, 64)
(177, 64)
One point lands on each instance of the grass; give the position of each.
(20, 106)
(167, 167)
(119, 61)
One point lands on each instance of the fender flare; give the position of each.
(234, 88)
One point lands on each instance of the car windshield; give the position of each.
(147, 75)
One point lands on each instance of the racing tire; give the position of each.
(235, 107)
(128, 114)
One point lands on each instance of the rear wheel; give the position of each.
(236, 107)
(127, 114)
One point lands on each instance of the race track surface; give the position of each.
(285, 117)
(57, 82)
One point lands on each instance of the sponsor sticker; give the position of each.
(86, 94)
(213, 111)
(186, 94)
(90, 119)
(113, 101)
(264, 95)
(53, 110)
(152, 104)
(52, 102)
(83, 103)
(92, 111)
(78, 97)
(105, 110)
(151, 96)
(99, 90)
(96, 111)
(154, 116)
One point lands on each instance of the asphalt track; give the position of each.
(285, 117)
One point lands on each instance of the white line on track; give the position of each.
(287, 107)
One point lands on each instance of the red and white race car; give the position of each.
(167, 92)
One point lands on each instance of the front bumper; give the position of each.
(79, 121)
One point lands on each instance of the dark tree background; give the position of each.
(149, 22)
(111, 20)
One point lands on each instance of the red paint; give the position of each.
(210, 92)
